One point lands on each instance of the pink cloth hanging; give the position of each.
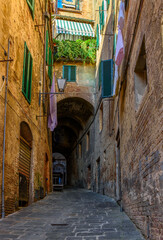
(121, 16)
(52, 119)
(119, 54)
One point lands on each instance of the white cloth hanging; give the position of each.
(121, 16)
(119, 54)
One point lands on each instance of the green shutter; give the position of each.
(100, 17)
(50, 64)
(65, 72)
(47, 45)
(31, 4)
(107, 78)
(73, 73)
(103, 15)
(97, 36)
(27, 74)
(108, 2)
(99, 75)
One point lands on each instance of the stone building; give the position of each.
(118, 149)
(26, 151)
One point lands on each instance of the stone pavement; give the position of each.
(74, 214)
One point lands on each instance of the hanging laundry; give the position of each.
(121, 16)
(52, 119)
(119, 55)
(69, 3)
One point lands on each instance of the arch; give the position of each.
(25, 132)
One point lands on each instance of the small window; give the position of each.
(69, 4)
(31, 4)
(101, 118)
(27, 74)
(88, 141)
(69, 73)
(140, 76)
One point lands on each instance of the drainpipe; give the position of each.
(4, 133)
(44, 60)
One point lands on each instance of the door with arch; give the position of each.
(24, 163)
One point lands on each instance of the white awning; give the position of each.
(74, 28)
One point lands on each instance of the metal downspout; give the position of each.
(4, 133)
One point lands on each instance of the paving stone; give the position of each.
(89, 216)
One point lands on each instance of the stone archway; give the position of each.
(24, 163)
(74, 114)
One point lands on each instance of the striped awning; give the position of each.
(74, 28)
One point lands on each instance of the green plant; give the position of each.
(73, 50)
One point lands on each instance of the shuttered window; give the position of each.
(115, 42)
(97, 36)
(103, 15)
(50, 65)
(108, 3)
(69, 73)
(100, 17)
(27, 73)
(31, 4)
(99, 75)
(107, 78)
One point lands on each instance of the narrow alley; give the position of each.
(74, 214)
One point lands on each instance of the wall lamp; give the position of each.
(61, 83)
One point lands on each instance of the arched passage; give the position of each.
(24, 163)
(74, 115)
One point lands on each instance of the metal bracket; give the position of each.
(54, 93)
(9, 60)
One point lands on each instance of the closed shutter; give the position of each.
(107, 78)
(115, 42)
(100, 17)
(73, 73)
(24, 158)
(65, 73)
(30, 77)
(50, 63)
(108, 2)
(97, 36)
(103, 15)
(99, 75)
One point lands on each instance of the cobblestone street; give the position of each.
(74, 214)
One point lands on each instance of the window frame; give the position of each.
(69, 73)
(31, 7)
(27, 86)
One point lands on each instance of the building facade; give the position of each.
(25, 141)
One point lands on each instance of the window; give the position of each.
(106, 77)
(101, 118)
(69, 4)
(27, 74)
(31, 4)
(140, 76)
(97, 36)
(88, 141)
(69, 73)
(47, 44)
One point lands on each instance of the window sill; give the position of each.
(69, 10)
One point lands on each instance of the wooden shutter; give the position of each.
(108, 2)
(30, 77)
(73, 73)
(100, 17)
(97, 36)
(107, 78)
(27, 73)
(99, 75)
(65, 72)
(50, 64)
(103, 15)
(31, 4)
(115, 41)
(24, 158)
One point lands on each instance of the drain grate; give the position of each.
(59, 224)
